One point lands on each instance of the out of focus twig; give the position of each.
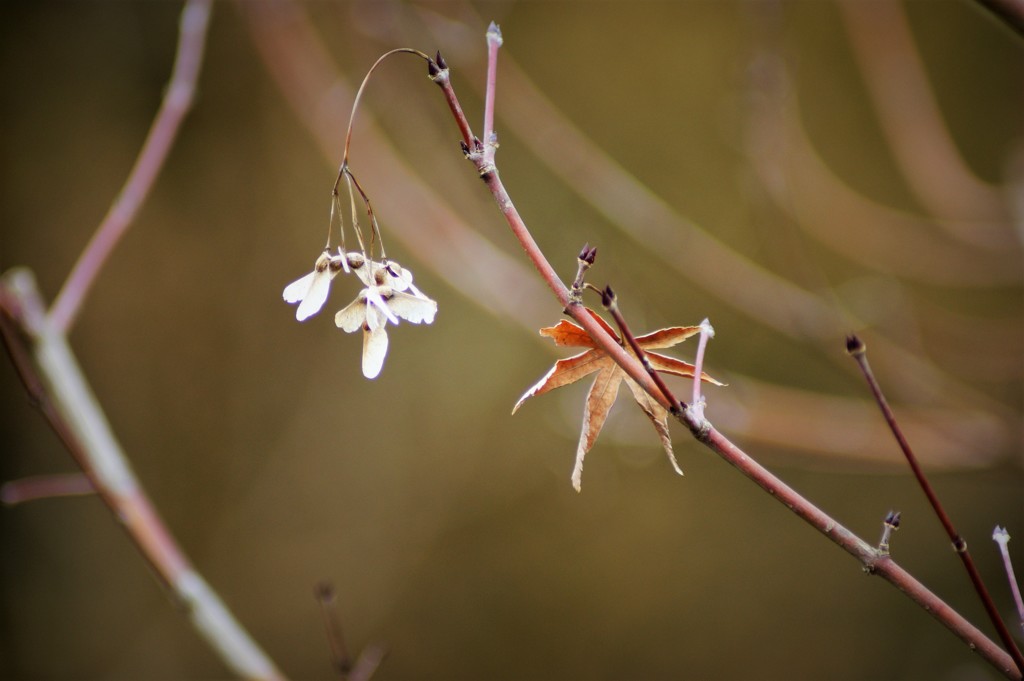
(195, 19)
(38, 346)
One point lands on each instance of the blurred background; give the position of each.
(794, 171)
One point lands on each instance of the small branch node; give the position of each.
(584, 262)
(695, 419)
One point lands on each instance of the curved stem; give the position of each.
(359, 96)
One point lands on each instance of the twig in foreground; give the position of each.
(55, 381)
(858, 350)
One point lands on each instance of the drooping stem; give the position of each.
(858, 350)
(359, 96)
(192, 38)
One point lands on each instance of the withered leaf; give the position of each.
(605, 387)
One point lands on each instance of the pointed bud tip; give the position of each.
(588, 254)
(607, 296)
(494, 33)
(854, 345)
(440, 60)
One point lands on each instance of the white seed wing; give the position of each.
(316, 296)
(352, 317)
(375, 348)
(415, 309)
(374, 298)
(296, 291)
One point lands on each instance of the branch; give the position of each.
(177, 101)
(54, 380)
(39, 350)
(870, 558)
(858, 351)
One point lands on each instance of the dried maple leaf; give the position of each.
(609, 375)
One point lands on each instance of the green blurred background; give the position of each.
(448, 527)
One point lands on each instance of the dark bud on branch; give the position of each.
(608, 297)
(892, 519)
(323, 592)
(464, 147)
(433, 70)
(588, 254)
(854, 345)
(440, 60)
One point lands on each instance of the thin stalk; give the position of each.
(611, 303)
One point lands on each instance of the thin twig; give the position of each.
(494, 41)
(324, 594)
(177, 101)
(858, 350)
(611, 303)
(697, 401)
(37, 487)
(1002, 537)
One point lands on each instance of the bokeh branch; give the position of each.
(38, 346)
(195, 19)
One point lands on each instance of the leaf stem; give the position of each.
(858, 350)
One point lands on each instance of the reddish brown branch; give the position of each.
(858, 350)
(706, 433)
